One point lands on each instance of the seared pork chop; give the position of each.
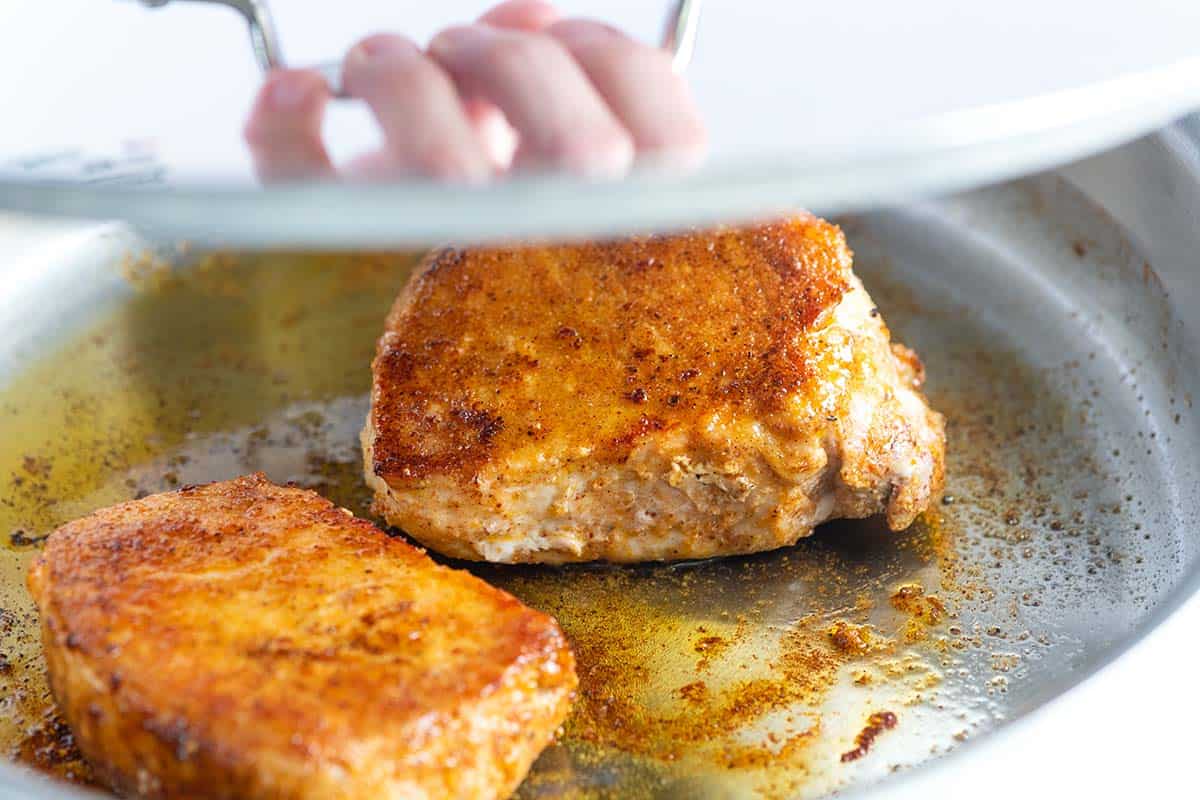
(654, 398)
(247, 640)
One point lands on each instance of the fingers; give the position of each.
(560, 118)
(498, 137)
(638, 83)
(284, 129)
(424, 122)
(567, 95)
(493, 131)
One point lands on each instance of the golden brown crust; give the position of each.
(248, 640)
(595, 346)
(683, 396)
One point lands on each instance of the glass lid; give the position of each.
(136, 110)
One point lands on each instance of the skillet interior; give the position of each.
(1049, 345)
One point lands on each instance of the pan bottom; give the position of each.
(794, 673)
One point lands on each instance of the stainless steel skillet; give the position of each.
(1052, 316)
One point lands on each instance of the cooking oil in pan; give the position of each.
(787, 674)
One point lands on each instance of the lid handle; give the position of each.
(679, 35)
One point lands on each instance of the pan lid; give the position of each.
(835, 107)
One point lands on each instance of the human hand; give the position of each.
(522, 88)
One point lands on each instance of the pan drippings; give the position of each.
(737, 677)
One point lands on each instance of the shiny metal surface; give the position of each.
(1049, 315)
(680, 32)
(263, 35)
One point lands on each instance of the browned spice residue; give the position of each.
(877, 723)
(925, 611)
(50, 747)
(855, 640)
(709, 648)
(729, 689)
(22, 538)
(911, 599)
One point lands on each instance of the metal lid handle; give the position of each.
(679, 35)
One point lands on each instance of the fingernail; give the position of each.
(380, 46)
(289, 92)
(356, 58)
(585, 31)
(461, 38)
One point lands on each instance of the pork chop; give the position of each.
(668, 397)
(247, 640)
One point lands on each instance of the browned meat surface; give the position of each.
(655, 398)
(246, 640)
